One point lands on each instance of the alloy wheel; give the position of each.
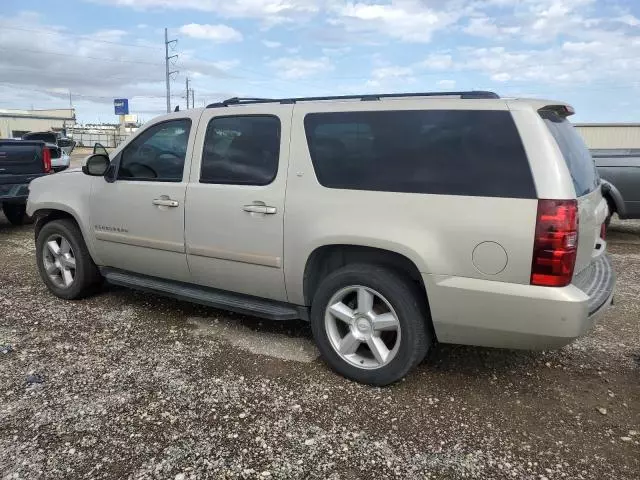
(59, 261)
(362, 327)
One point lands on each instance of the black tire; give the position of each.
(612, 210)
(409, 305)
(16, 213)
(87, 276)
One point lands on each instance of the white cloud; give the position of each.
(391, 72)
(438, 61)
(38, 68)
(271, 44)
(482, 27)
(404, 20)
(501, 77)
(447, 84)
(226, 65)
(583, 47)
(296, 68)
(336, 51)
(629, 19)
(217, 33)
(269, 11)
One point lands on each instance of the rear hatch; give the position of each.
(592, 209)
(20, 157)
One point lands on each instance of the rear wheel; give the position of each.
(64, 262)
(370, 323)
(15, 212)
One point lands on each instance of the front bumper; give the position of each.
(507, 315)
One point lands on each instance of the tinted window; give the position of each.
(241, 150)
(43, 136)
(157, 154)
(436, 151)
(575, 152)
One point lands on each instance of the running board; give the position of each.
(210, 297)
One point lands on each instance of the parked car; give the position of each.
(388, 221)
(620, 174)
(21, 161)
(60, 148)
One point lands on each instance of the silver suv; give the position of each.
(388, 221)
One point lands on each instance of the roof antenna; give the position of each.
(177, 109)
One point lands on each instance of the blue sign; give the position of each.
(121, 106)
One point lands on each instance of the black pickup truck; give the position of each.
(20, 162)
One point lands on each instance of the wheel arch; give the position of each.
(46, 215)
(613, 197)
(328, 258)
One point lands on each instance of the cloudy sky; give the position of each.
(586, 52)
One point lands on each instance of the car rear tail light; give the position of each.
(46, 160)
(556, 243)
(603, 231)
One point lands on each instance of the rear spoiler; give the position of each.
(563, 110)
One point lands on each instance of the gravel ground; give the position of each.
(130, 385)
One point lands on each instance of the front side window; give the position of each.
(241, 150)
(157, 154)
(451, 152)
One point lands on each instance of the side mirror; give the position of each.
(96, 165)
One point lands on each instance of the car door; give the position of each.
(138, 219)
(235, 200)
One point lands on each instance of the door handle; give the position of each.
(165, 202)
(260, 209)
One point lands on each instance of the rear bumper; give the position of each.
(14, 193)
(507, 315)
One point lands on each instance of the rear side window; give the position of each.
(241, 150)
(453, 152)
(575, 152)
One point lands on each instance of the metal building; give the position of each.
(610, 136)
(15, 123)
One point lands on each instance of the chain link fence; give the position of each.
(88, 138)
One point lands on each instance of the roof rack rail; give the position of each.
(471, 94)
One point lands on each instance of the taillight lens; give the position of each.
(46, 160)
(603, 231)
(556, 243)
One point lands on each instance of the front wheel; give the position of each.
(64, 262)
(15, 213)
(370, 323)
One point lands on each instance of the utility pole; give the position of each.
(168, 73)
(193, 100)
(187, 93)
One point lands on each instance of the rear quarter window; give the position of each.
(576, 154)
(453, 152)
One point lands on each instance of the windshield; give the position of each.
(575, 152)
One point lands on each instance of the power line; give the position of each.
(65, 93)
(102, 59)
(85, 37)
